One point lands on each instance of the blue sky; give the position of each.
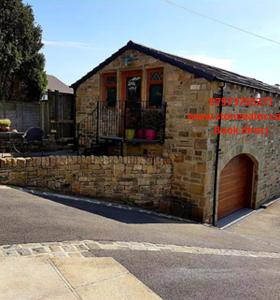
(79, 34)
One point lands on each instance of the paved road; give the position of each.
(26, 218)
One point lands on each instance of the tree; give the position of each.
(22, 75)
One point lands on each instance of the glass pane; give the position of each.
(111, 96)
(157, 75)
(133, 89)
(156, 94)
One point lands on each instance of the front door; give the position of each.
(131, 94)
(131, 87)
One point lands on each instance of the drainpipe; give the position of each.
(221, 85)
(76, 126)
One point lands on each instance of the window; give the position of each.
(110, 88)
(155, 87)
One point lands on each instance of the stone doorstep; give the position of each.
(69, 278)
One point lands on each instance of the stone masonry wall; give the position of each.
(190, 144)
(264, 150)
(137, 179)
(186, 141)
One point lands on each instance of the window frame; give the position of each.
(106, 85)
(151, 82)
(126, 74)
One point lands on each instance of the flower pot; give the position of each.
(4, 128)
(150, 134)
(129, 134)
(140, 134)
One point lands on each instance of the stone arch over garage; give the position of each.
(238, 180)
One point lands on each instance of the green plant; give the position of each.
(152, 119)
(131, 121)
(5, 122)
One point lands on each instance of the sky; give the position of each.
(80, 34)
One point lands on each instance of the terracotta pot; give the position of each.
(140, 134)
(129, 134)
(150, 134)
(4, 128)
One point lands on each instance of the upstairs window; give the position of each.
(110, 88)
(155, 87)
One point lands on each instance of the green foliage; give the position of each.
(22, 75)
(152, 119)
(131, 122)
(5, 122)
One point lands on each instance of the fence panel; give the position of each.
(22, 114)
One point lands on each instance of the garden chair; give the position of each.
(33, 139)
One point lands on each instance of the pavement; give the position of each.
(174, 259)
(69, 279)
(263, 227)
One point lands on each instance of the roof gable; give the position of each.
(198, 69)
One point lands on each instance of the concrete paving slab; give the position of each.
(262, 227)
(31, 279)
(68, 278)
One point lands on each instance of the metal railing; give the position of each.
(87, 128)
(111, 122)
(131, 115)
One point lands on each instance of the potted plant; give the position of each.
(5, 125)
(140, 133)
(152, 120)
(131, 124)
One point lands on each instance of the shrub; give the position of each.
(5, 122)
(152, 119)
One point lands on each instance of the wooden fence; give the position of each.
(58, 115)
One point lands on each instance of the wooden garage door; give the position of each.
(235, 185)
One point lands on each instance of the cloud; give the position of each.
(223, 63)
(69, 44)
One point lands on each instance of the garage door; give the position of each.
(235, 185)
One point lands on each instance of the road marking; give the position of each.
(83, 249)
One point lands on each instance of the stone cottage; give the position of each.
(219, 165)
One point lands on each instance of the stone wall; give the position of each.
(137, 179)
(185, 141)
(264, 150)
(191, 144)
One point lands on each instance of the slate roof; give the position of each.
(198, 69)
(54, 84)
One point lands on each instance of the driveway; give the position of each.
(263, 226)
(177, 260)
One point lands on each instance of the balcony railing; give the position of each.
(137, 117)
(112, 123)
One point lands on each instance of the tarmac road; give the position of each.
(26, 218)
